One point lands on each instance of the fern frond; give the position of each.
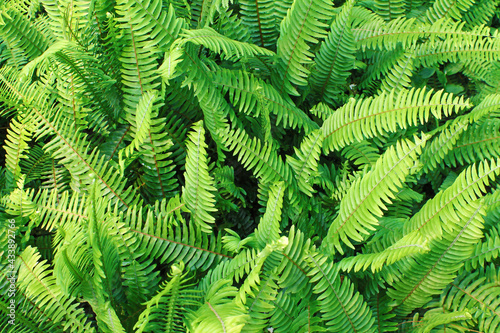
(73, 152)
(364, 200)
(343, 310)
(433, 319)
(69, 20)
(399, 76)
(268, 229)
(481, 12)
(409, 245)
(478, 142)
(437, 150)
(366, 118)
(476, 291)
(156, 159)
(305, 166)
(390, 9)
(433, 271)
(162, 25)
(259, 17)
(197, 193)
(138, 60)
(220, 313)
(460, 48)
(215, 108)
(16, 144)
(293, 267)
(448, 207)
(167, 309)
(141, 127)
(251, 93)
(335, 57)
(446, 8)
(260, 305)
(381, 312)
(22, 34)
(261, 157)
(361, 153)
(36, 280)
(170, 239)
(302, 24)
(407, 32)
(229, 48)
(485, 251)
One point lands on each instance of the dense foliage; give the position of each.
(250, 166)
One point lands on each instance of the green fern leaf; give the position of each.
(197, 194)
(303, 24)
(362, 119)
(268, 230)
(436, 269)
(305, 166)
(446, 209)
(364, 200)
(335, 57)
(343, 310)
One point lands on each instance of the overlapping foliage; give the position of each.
(250, 166)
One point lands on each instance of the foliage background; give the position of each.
(245, 166)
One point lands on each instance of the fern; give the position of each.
(249, 166)
(364, 200)
(198, 196)
(302, 24)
